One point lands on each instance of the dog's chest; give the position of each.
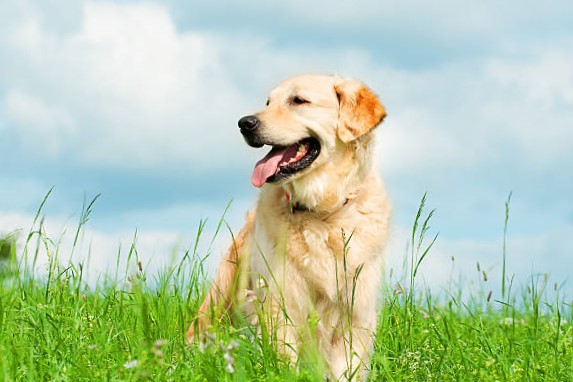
(294, 245)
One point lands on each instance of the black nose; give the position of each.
(248, 124)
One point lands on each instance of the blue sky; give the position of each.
(139, 101)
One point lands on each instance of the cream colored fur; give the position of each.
(291, 268)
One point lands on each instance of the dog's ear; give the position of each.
(359, 110)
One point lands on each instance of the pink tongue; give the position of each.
(267, 167)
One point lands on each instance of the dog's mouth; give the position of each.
(284, 161)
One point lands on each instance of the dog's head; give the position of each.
(307, 120)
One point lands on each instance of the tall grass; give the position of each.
(131, 327)
(504, 251)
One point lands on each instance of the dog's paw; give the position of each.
(250, 296)
(197, 329)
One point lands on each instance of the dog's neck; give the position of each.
(326, 202)
(322, 194)
(297, 207)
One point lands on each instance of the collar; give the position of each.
(295, 207)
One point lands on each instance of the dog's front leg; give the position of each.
(350, 351)
(222, 294)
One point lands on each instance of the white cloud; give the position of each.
(45, 128)
(476, 114)
(410, 141)
(546, 79)
(534, 105)
(134, 55)
(142, 93)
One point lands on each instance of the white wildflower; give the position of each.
(156, 348)
(508, 321)
(229, 357)
(160, 343)
(131, 364)
(232, 345)
(230, 361)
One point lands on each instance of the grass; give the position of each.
(58, 328)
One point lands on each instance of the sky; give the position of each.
(139, 102)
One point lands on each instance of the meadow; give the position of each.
(130, 327)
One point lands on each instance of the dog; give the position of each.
(308, 264)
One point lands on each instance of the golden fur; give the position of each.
(314, 276)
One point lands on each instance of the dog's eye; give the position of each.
(268, 101)
(298, 100)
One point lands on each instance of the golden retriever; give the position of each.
(309, 260)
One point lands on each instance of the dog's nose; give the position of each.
(248, 124)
